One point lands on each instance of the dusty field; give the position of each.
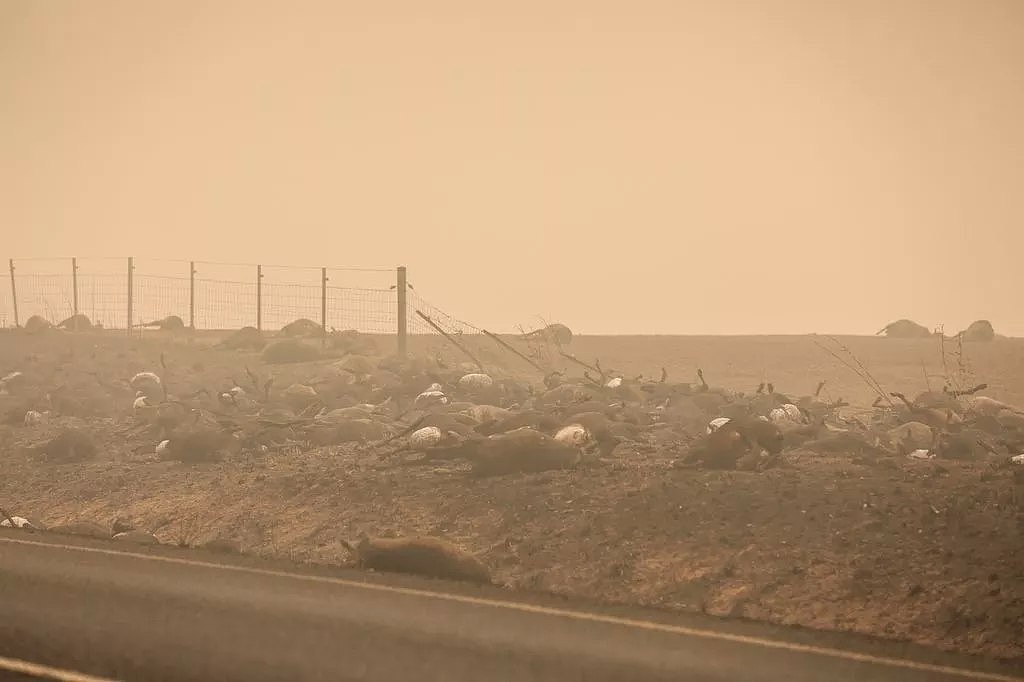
(926, 551)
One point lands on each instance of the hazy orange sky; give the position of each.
(634, 167)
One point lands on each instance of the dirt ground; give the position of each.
(925, 551)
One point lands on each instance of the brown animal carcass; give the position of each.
(424, 556)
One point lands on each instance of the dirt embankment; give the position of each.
(921, 550)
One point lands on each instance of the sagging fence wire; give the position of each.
(122, 293)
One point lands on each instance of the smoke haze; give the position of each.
(647, 167)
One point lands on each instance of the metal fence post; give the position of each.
(131, 292)
(403, 331)
(323, 304)
(192, 295)
(14, 295)
(259, 297)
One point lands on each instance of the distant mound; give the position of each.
(980, 330)
(905, 329)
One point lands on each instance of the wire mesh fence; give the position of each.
(122, 293)
(422, 311)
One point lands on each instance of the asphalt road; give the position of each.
(104, 610)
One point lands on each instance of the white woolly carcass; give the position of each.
(476, 381)
(299, 395)
(427, 437)
(990, 407)
(576, 435)
(431, 397)
(787, 413)
(485, 414)
(34, 418)
(19, 522)
(717, 423)
(10, 382)
(147, 383)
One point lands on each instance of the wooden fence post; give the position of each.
(14, 295)
(131, 292)
(74, 286)
(259, 297)
(323, 305)
(74, 294)
(192, 295)
(403, 329)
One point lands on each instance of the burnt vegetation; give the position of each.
(526, 433)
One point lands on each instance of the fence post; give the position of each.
(323, 305)
(259, 297)
(192, 295)
(74, 286)
(131, 292)
(74, 294)
(14, 295)
(403, 331)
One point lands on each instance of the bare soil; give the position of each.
(925, 551)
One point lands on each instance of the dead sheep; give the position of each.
(474, 382)
(302, 327)
(76, 323)
(148, 384)
(171, 323)
(434, 396)
(485, 414)
(723, 446)
(575, 435)
(343, 414)
(34, 418)
(70, 445)
(590, 431)
(521, 451)
(351, 341)
(299, 396)
(426, 437)
(904, 329)
(12, 382)
(989, 407)
(356, 365)
(17, 522)
(37, 325)
(347, 431)
(198, 446)
(786, 414)
(912, 436)
(246, 338)
(555, 333)
(289, 351)
(424, 556)
(540, 421)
